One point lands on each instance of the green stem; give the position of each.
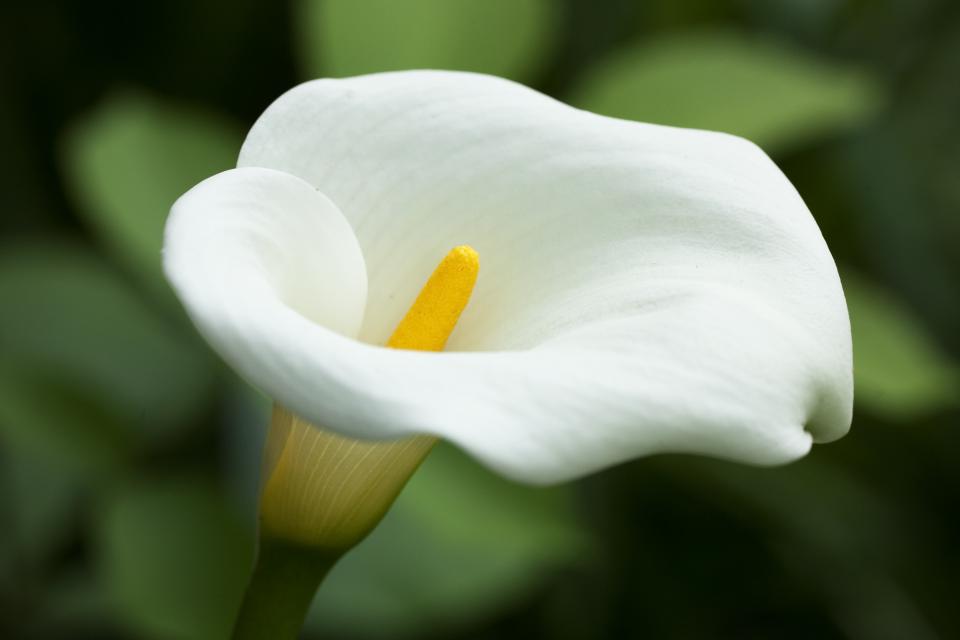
(284, 581)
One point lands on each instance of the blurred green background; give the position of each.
(129, 455)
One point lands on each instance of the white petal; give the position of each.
(246, 245)
(643, 289)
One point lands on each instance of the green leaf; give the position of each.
(344, 37)
(819, 503)
(42, 499)
(899, 372)
(39, 502)
(127, 163)
(47, 419)
(88, 370)
(832, 530)
(75, 605)
(246, 417)
(459, 544)
(760, 89)
(175, 558)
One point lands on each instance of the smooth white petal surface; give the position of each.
(642, 289)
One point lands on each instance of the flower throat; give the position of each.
(322, 489)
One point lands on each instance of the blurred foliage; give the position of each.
(756, 88)
(42, 500)
(174, 557)
(130, 159)
(900, 372)
(129, 459)
(89, 370)
(430, 565)
(510, 38)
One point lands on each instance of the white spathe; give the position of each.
(643, 289)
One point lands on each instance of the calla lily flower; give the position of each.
(645, 289)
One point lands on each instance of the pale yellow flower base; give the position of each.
(324, 492)
(329, 491)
